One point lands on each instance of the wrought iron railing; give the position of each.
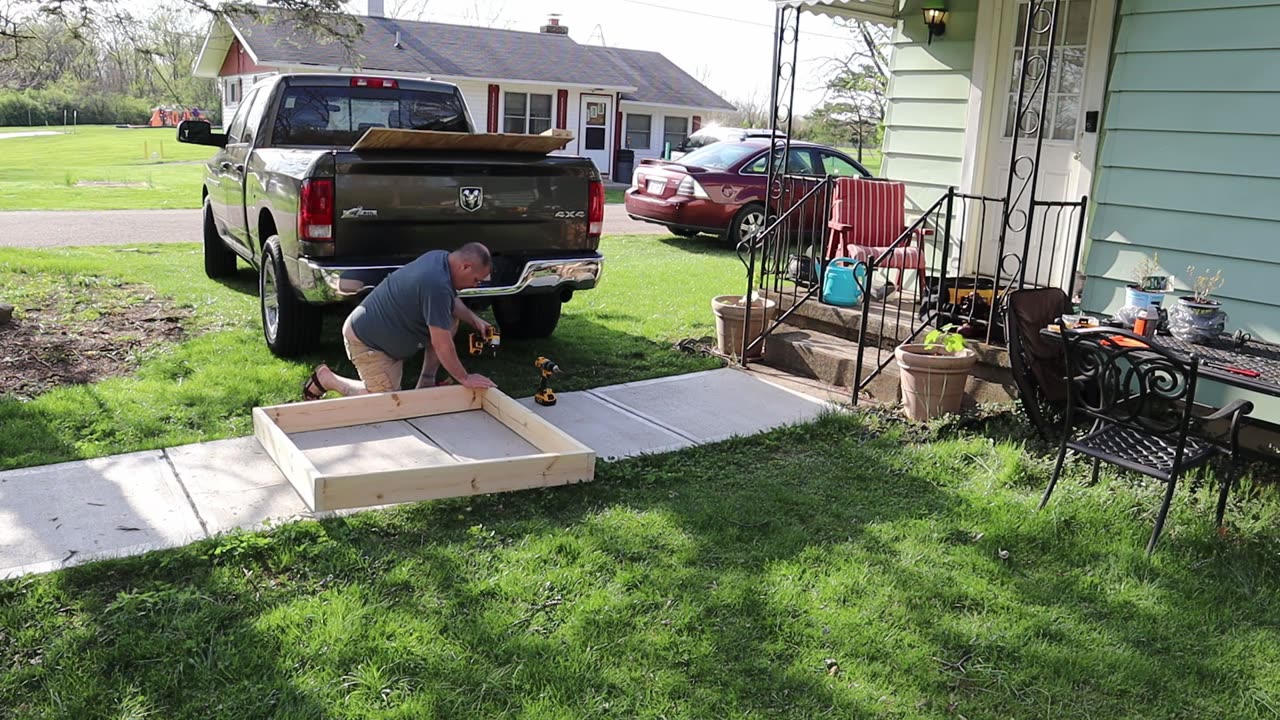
(787, 256)
(899, 311)
(970, 264)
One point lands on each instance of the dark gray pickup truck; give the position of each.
(324, 224)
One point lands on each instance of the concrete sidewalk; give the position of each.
(61, 515)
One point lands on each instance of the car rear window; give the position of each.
(720, 156)
(341, 115)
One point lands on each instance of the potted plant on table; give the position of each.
(934, 373)
(1198, 317)
(1150, 284)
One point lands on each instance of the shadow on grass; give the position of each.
(712, 245)
(639, 594)
(826, 569)
(30, 435)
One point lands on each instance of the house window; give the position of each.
(526, 113)
(638, 127)
(674, 131)
(1066, 83)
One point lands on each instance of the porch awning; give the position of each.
(881, 11)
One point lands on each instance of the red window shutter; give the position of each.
(697, 123)
(493, 108)
(562, 109)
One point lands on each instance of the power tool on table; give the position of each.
(490, 341)
(545, 395)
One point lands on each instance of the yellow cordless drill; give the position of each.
(545, 395)
(490, 341)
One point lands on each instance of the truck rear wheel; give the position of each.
(531, 316)
(219, 260)
(291, 327)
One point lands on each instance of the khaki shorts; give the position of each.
(379, 371)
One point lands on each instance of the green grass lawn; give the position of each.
(846, 569)
(871, 159)
(100, 167)
(850, 568)
(655, 291)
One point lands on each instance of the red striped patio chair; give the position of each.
(867, 216)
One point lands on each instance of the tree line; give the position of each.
(98, 61)
(107, 72)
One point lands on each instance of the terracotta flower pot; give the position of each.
(933, 380)
(730, 312)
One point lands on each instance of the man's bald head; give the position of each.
(469, 265)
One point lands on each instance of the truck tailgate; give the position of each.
(399, 206)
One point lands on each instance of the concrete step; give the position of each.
(891, 321)
(834, 360)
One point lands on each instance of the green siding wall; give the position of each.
(1190, 159)
(928, 102)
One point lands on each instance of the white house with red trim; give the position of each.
(513, 81)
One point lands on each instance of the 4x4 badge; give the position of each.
(470, 198)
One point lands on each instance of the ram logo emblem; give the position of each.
(470, 198)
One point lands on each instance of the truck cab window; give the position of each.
(341, 115)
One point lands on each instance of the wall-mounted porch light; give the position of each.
(935, 18)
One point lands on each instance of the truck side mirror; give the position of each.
(200, 132)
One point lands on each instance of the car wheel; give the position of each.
(683, 232)
(291, 327)
(219, 260)
(529, 317)
(747, 224)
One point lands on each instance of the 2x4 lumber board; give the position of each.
(338, 492)
(535, 430)
(293, 463)
(366, 409)
(397, 139)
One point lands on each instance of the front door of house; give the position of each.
(596, 131)
(1076, 89)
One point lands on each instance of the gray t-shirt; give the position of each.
(395, 318)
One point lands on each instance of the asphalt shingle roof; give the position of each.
(658, 80)
(444, 50)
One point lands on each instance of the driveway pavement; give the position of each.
(64, 228)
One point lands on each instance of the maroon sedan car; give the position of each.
(720, 188)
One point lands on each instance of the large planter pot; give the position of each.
(1197, 321)
(730, 311)
(933, 380)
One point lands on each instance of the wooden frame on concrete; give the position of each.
(561, 460)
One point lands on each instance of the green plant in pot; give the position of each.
(934, 373)
(1149, 286)
(1198, 317)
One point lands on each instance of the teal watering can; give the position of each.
(843, 281)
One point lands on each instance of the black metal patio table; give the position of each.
(1253, 365)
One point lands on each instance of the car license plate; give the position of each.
(657, 186)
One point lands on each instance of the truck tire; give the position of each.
(219, 260)
(528, 317)
(291, 327)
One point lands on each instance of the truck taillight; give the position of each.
(374, 82)
(595, 210)
(315, 210)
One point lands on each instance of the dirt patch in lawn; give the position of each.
(70, 330)
(110, 184)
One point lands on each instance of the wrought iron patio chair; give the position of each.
(1141, 403)
(1038, 370)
